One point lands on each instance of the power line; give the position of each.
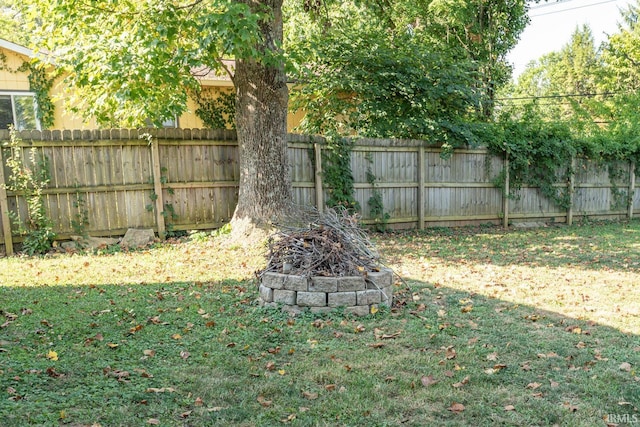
(540, 6)
(572, 8)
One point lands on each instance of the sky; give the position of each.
(552, 24)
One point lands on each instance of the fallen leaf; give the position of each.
(359, 328)
(450, 353)
(464, 381)
(282, 372)
(149, 353)
(112, 345)
(376, 345)
(198, 402)
(492, 356)
(428, 381)
(153, 421)
(290, 418)
(625, 366)
(509, 408)
(185, 354)
(185, 414)
(570, 407)
(264, 402)
(53, 374)
(456, 407)
(467, 308)
(176, 336)
(270, 366)
(533, 385)
(160, 390)
(553, 384)
(330, 387)
(52, 355)
(309, 395)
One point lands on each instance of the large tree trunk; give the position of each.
(261, 120)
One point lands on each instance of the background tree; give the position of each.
(403, 68)
(560, 85)
(361, 77)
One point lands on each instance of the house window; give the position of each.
(18, 109)
(169, 123)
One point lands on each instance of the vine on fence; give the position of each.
(376, 205)
(80, 220)
(539, 156)
(337, 175)
(29, 181)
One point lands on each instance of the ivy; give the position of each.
(376, 205)
(40, 84)
(216, 111)
(29, 181)
(80, 219)
(337, 175)
(539, 155)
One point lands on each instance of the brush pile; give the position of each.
(330, 244)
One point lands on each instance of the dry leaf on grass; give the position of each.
(264, 402)
(309, 395)
(456, 407)
(428, 381)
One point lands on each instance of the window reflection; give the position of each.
(18, 110)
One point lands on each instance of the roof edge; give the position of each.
(6, 44)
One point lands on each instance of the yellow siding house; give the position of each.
(18, 101)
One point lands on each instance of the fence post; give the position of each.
(572, 190)
(4, 211)
(421, 179)
(317, 148)
(505, 195)
(157, 188)
(632, 188)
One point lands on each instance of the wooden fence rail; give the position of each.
(187, 179)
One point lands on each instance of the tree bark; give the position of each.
(261, 120)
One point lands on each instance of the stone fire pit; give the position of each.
(329, 264)
(357, 294)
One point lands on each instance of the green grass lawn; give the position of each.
(524, 328)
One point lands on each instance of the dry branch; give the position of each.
(330, 244)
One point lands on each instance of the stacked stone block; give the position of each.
(357, 294)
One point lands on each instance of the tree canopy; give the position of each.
(425, 69)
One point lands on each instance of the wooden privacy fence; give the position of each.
(187, 179)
